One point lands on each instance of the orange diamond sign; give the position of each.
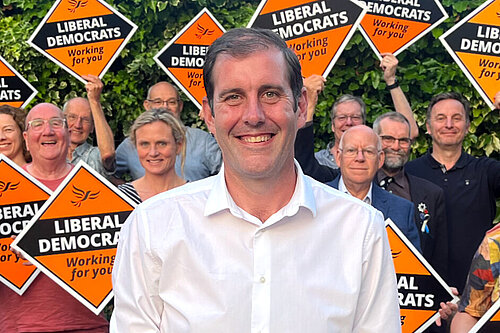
(317, 31)
(474, 43)
(420, 288)
(392, 26)
(15, 90)
(73, 238)
(184, 56)
(21, 196)
(82, 36)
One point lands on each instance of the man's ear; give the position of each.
(302, 108)
(207, 115)
(25, 136)
(381, 159)
(145, 104)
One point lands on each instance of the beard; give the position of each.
(394, 159)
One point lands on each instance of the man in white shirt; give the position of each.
(260, 247)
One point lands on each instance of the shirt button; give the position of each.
(262, 279)
(446, 179)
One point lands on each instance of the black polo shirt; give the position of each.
(470, 187)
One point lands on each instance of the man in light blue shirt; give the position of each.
(203, 156)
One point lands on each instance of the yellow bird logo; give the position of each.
(7, 186)
(82, 195)
(75, 4)
(202, 32)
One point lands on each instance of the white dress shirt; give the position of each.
(368, 197)
(191, 260)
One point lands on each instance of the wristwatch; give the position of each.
(394, 85)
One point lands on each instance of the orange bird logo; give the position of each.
(82, 195)
(75, 4)
(202, 32)
(7, 186)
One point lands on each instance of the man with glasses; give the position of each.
(347, 111)
(428, 199)
(84, 115)
(45, 306)
(471, 185)
(203, 156)
(359, 156)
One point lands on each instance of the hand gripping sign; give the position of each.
(474, 44)
(73, 237)
(21, 196)
(184, 56)
(82, 36)
(392, 26)
(317, 31)
(15, 90)
(420, 288)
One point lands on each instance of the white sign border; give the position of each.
(34, 92)
(458, 61)
(20, 291)
(486, 317)
(414, 40)
(428, 266)
(46, 271)
(344, 43)
(172, 41)
(67, 69)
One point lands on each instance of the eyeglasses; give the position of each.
(350, 152)
(37, 124)
(355, 119)
(157, 102)
(70, 117)
(389, 140)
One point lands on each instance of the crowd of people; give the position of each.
(281, 239)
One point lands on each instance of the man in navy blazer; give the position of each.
(359, 156)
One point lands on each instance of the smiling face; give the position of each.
(448, 124)
(156, 148)
(255, 121)
(47, 144)
(79, 118)
(359, 169)
(11, 138)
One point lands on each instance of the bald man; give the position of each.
(45, 306)
(359, 157)
(203, 156)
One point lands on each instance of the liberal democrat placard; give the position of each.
(420, 288)
(83, 37)
(15, 90)
(317, 31)
(184, 56)
(393, 25)
(74, 235)
(21, 196)
(474, 43)
(490, 318)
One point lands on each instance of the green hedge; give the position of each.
(425, 68)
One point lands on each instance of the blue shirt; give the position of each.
(203, 157)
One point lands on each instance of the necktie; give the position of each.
(385, 182)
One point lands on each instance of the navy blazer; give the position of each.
(399, 210)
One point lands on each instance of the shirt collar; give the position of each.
(368, 197)
(461, 163)
(219, 199)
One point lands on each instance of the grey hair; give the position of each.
(392, 116)
(348, 98)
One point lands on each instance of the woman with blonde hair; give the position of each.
(159, 137)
